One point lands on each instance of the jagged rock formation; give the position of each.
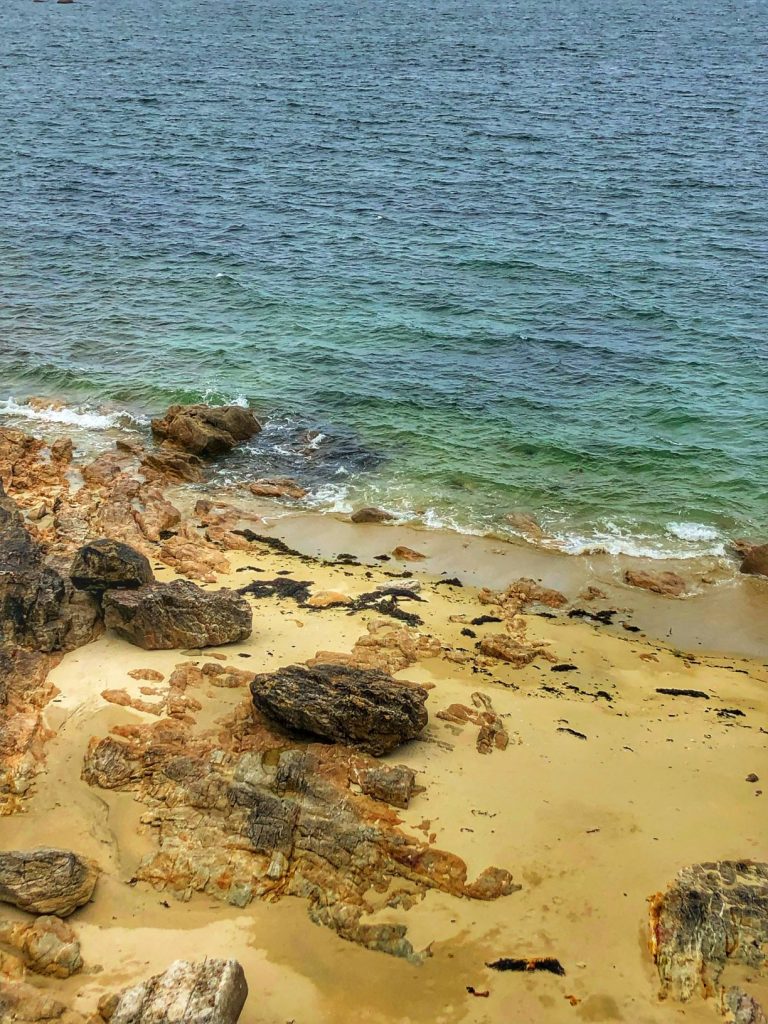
(361, 707)
(206, 430)
(163, 616)
(712, 914)
(39, 608)
(46, 881)
(239, 816)
(107, 564)
(208, 992)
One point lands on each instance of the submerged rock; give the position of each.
(740, 1008)
(46, 881)
(668, 584)
(208, 992)
(711, 915)
(755, 560)
(277, 487)
(206, 430)
(361, 707)
(110, 565)
(180, 614)
(371, 515)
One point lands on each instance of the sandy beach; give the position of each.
(603, 790)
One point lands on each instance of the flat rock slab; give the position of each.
(209, 992)
(180, 614)
(360, 707)
(46, 881)
(712, 914)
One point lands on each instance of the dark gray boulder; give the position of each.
(110, 565)
(360, 707)
(163, 616)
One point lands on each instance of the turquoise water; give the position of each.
(470, 258)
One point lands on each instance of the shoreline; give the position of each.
(102, 424)
(625, 737)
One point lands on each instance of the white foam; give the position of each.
(87, 419)
(694, 540)
(331, 498)
(693, 532)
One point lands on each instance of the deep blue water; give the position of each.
(505, 256)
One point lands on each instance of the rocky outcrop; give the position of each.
(360, 707)
(206, 430)
(242, 815)
(46, 881)
(277, 487)
(369, 514)
(511, 650)
(163, 616)
(755, 560)
(109, 565)
(393, 784)
(738, 1007)
(47, 946)
(207, 992)
(712, 915)
(668, 584)
(39, 608)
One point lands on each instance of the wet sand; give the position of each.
(589, 827)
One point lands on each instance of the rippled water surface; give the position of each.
(502, 256)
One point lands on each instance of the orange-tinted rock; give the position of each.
(668, 584)
(206, 430)
(407, 554)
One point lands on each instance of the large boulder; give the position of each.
(755, 560)
(46, 881)
(209, 992)
(39, 608)
(110, 565)
(362, 707)
(712, 915)
(163, 616)
(206, 430)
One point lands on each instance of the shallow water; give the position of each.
(502, 257)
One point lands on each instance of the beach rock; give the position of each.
(668, 584)
(738, 1007)
(393, 784)
(277, 487)
(162, 616)
(208, 992)
(328, 599)
(712, 914)
(755, 561)
(39, 608)
(507, 648)
(206, 430)
(406, 554)
(361, 707)
(47, 945)
(239, 815)
(371, 515)
(172, 465)
(46, 881)
(109, 565)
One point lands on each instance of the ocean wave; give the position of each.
(74, 416)
(680, 541)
